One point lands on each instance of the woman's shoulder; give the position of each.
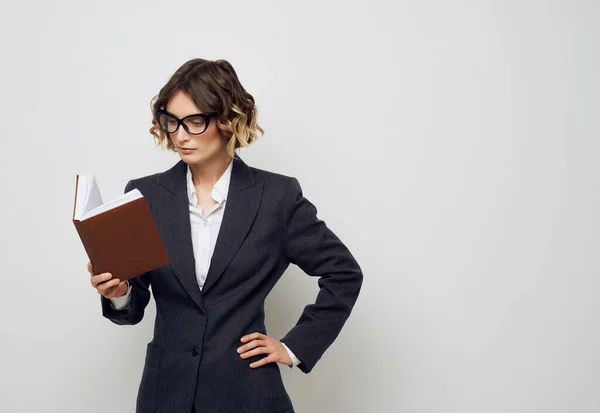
(164, 178)
(144, 181)
(271, 176)
(275, 181)
(279, 187)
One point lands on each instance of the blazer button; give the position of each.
(195, 352)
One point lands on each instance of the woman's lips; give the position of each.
(186, 150)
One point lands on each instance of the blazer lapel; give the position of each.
(243, 200)
(178, 231)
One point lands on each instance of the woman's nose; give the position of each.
(181, 134)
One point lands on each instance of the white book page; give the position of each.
(80, 197)
(88, 195)
(123, 199)
(89, 201)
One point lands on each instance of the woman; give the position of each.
(231, 231)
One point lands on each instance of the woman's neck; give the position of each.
(209, 171)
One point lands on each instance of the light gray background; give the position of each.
(453, 146)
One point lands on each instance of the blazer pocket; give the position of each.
(154, 355)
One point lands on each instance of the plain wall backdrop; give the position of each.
(452, 145)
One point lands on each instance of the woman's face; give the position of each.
(207, 146)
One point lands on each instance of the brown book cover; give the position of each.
(124, 241)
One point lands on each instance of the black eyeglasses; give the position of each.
(193, 124)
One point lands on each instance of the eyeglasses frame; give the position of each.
(205, 116)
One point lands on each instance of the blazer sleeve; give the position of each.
(140, 295)
(311, 245)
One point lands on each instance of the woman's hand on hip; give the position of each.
(257, 343)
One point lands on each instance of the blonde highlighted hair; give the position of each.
(214, 87)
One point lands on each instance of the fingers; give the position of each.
(106, 285)
(249, 346)
(119, 291)
(253, 348)
(261, 344)
(96, 280)
(254, 336)
(109, 288)
(265, 360)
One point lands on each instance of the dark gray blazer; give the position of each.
(267, 225)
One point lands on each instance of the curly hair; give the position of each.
(214, 87)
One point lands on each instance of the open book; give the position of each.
(119, 236)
